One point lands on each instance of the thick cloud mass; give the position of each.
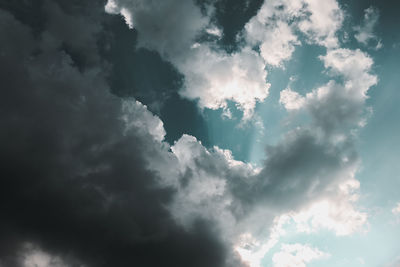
(74, 182)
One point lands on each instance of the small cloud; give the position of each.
(291, 100)
(296, 255)
(379, 45)
(365, 32)
(214, 31)
(226, 113)
(396, 209)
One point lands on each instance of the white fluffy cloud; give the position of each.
(277, 42)
(168, 27)
(275, 50)
(325, 19)
(216, 77)
(147, 122)
(272, 31)
(212, 77)
(354, 66)
(274, 26)
(336, 213)
(291, 100)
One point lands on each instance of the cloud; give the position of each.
(354, 66)
(275, 50)
(296, 255)
(308, 165)
(274, 27)
(252, 252)
(277, 41)
(365, 32)
(325, 19)
(396, 209)
(301, 175)
(216, 77)
(291, 100)
(212, 76)
(336, 213)
(322, 103)
(168, 27)
(76, 183)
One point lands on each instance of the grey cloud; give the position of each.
(301, 169)
(302, 166)
(211, 75)
(74, 181)
(168, 27)
(365, 32)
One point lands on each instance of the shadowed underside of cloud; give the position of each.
(88, 179)
(74, 182)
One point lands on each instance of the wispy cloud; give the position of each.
(366, 31)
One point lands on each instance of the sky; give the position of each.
(218, 133)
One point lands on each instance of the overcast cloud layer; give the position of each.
(88, 178)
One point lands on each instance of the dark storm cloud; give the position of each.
(72, 183)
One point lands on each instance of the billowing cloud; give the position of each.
(325, 19)
(291, 100)
(336, 213)
(274, 26)
(212, 76)
(216, 77)
(322, 103)
(277, 43)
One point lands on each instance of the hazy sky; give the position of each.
(204, 133)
